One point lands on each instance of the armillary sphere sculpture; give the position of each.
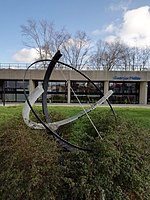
(41, 90)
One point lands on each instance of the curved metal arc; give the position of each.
(45, 125)
(90, 82)
(64, 142)
(46, 80)
(45, 86)
(49, 70)
(44, 96)
(54, 125)
(49, 60)
(26, 108)
(82, 113)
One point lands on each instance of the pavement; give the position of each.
(77, 104)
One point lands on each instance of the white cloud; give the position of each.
(77, 42)
(106, 29)
(26, 55)
(120, 5)
(110, 38)
(110, 28)
(134, 29)
(97, 32)
(117, 7)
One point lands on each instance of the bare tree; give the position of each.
(97, 57)
(76, 50)
(43, 37)
(118, 56)
(137, 58)
(108, 55)
(143, 58)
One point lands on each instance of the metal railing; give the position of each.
(41, 66)
(14, 65)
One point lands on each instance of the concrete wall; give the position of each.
(18, 74)
(119, 76)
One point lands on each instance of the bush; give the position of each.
(117, 166)
(33, 166)
(28, 163)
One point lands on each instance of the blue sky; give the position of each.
(100, 19)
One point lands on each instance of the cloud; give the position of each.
(77, 42)
(106, 29)
(110, 38)
(120, 6)
(110, 28)
(117, 7)
(26, 55)
(97, 32)
(134, 29)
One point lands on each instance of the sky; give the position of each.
(100, 19)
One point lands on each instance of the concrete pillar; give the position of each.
(143, 93)
(31, 86)
(106, 88)
(68, 92)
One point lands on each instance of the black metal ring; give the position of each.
(67, 145)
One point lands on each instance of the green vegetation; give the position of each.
(8, 113)
(33, 165)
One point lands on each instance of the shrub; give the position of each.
(117, 166)
(33, 166)
(29, 163)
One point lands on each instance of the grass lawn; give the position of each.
(9, 112)
(142, 115)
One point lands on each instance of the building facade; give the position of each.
(67, 86)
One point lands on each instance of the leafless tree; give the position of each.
(98, 55)
(42, 36)
(137, 58)
(76, 50)
(118, 56)
(108, 55)
(143, 58)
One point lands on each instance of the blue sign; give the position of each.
(123, 78)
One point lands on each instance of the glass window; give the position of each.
(57, 98)
(124, 93)
(14, 90)
(14, 85)
(85, 91)
(57, 91)
(124, 87)
(21, 84)
(148, 93)
(57, 87)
